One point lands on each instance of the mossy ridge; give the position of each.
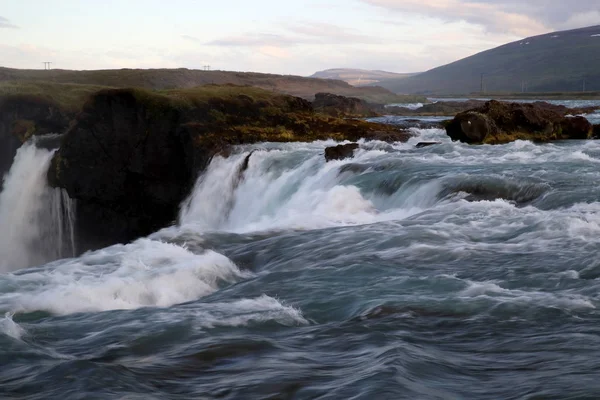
(240, 114)
(70, 97)
(182, 78)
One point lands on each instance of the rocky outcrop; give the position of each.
(340, 152)
(131, 157)
(497, 122)
(340, 106)
(23, 116)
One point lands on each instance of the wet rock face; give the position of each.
(498, 122)
(577, 128)
(340, 152)
(125, 163)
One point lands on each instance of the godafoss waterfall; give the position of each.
(450, 271)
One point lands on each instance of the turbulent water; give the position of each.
(446, 272)
(36, 221)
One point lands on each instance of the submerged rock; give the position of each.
(491, 188)
(395, 311)
(498, 122)
(340, 152)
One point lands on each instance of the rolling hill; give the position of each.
(161, 79)
(564, 61)
(358, 77)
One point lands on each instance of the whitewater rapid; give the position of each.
(439, 272)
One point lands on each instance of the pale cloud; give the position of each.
(516, 17)
(30, 56)
(275, 52)
(581, 19)
(191, 38)
(495, 18)
(330, 33)
(5, 23)
(553, 13)
(254, 40)
(298, 33)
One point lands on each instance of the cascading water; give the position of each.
(274, 192)
(403, 272)
(295, 189)
(37, 221)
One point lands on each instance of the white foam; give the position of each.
(146, 273)
(36, 220)
(247, 311)
(301, 195)
(544, 299)
(570, 274)
(410, 106)
(10, 327)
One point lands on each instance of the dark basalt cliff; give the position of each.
(132, 156)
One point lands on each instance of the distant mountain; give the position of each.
(358, 77)
(564, 61)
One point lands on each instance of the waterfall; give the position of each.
(37, 221)
(274, 190)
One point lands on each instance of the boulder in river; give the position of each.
(340, 152)
(470, 127)
(499, 122)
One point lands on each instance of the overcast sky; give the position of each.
(280, 36)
